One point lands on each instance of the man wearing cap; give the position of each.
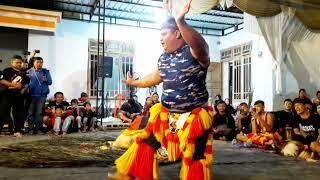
(181, 123)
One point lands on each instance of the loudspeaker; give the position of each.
(107, 66)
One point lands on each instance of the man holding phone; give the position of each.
(40, 80)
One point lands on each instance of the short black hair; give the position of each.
(259, 102)
(170, 23)
(37, 59)
(287, 100)
(302, 90)
(243, 104)
(74, 101)
(83, 94)
(17, 57)
(299, 100)
(57, 93)
(58, 107)
(85, 104)
(155, 93)
(221, 102)
(318, 92)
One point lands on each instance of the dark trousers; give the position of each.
(14, 102)
(35, 112)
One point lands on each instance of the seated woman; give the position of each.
(139, 122)
(262, 127)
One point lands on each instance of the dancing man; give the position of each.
(182, 122)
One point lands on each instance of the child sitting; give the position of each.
(89, 117)
(76, 114)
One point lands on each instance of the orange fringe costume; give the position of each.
(262, 138)
(139, 160)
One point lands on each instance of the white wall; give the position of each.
(262, 72)
(66, 52)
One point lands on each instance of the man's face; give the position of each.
(59, 98)
(300, 108)
(318, 109)
(168, 39)
(259, 108)
(38, 64)
(287, 106)
(17, 64)
(221, 107)
(302, 94)
(244, 109)
(318, 95)
(135, 98)
(149, 101)
(155, 98)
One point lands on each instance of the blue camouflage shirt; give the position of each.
(184, 81)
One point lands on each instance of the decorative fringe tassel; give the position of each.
(142, 166)
(156, 174)
(184, 171)
(173, 147)
(124, 162)
(195, 171)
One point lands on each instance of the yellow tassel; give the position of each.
(206, 119)
(154, 112)
(183, 139)
(156, 175)
(124, 162)
(143, 135)
(163, 116)
(184, 171)
(189, 150)
(206, 170)
(191, 118)
(172, 151)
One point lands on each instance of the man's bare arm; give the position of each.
(148, 81)
(199, 47)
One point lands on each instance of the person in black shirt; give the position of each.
(303, 96)
(58, 101)
(129, 111)
(244, 119)
(307, 124)
(230, 109)
(285, 119)
(15, 96)
(223, 124)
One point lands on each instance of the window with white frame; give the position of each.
(122, 54)
(240, 64)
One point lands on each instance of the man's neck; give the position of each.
(286, 110)
(222, 113)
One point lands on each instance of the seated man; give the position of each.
(243, 121)
(307, 124)
(262, 127)
(303, 96)
(50, 114)
(285, 119)
(129, 110)
(223, 123)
